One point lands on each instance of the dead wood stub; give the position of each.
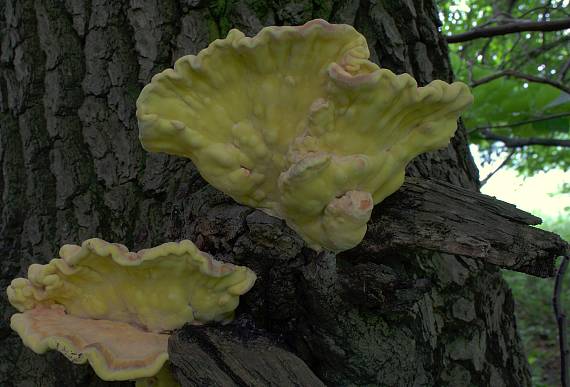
(439, 216)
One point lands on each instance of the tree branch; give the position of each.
(520, 123)
(517, 74)
(519, 142)
(561, 320)
(553, 25)
(490, 175)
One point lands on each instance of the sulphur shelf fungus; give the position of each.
(100, 303)
(298, 122)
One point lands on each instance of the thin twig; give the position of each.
(552, 25)
(561, 320)
(470, 71)
(564, 70)
(511, 50)
(507, 17)
(483, 51)
(490, 175)
(536, 52)
(517, 74)
(519, 123)
(548, 46)
(542, 7)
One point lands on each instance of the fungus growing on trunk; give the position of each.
(116, 350)
(297, 122)
(114, 308)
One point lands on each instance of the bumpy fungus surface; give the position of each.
(159, 288)
(103, 304)
(298, 122)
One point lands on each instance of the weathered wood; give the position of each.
(439, 216)
(235, 355)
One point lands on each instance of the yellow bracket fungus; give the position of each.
(103, 304)
(115, 350)
(298, 122)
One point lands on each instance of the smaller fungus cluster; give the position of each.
(101, 303)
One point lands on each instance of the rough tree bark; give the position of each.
(72, 168)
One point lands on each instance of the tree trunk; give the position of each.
(72, 168)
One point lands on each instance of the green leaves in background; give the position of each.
(505, 103)
(535, 317)
(516, 108)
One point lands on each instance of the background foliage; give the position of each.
(521, 87)
(520, 80)
(535, 317)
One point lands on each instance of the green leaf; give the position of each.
(561, 124)
(506, 101)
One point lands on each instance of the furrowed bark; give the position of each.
(71, 168)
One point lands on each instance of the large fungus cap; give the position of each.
(103, 304)
(298, 122)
